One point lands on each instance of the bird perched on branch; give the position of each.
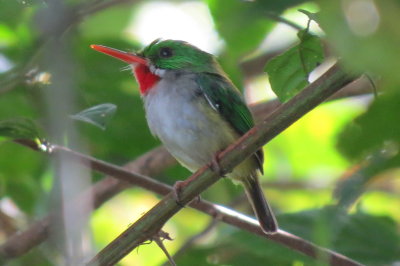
(196, 111)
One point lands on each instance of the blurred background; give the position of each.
(332, 177)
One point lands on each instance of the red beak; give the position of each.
(129, 58)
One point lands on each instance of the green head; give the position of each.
(179, 55)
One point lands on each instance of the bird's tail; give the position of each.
(263, 211)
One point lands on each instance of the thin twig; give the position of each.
(192, 240)
(279, 18)
(158, 238)
(7, 224)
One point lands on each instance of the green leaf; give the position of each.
(372, 130)
(241, 24)
(19, 128)
(244, 24)
(99, 115)
(288, 72)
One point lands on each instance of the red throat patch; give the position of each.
(145, 78)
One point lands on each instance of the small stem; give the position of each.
(191, 241)
(159, 240)
(278, 18)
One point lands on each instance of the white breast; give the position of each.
(184, 121)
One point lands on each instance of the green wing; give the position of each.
(226, 99)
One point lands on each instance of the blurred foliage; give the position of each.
(19, 128)
(365, 30)
(349, 146)
(343, 233)
(376, 129)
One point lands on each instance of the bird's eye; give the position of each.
(166, 52)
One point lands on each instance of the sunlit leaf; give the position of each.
(242, 24)
(99, 115)
(19, 128)
(288, 72)
(7, 36)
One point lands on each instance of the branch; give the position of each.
(358, 87)
(218, 212)
(151, 163)
(7, 224)
(151, 223)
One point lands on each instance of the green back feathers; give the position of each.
(223, 96)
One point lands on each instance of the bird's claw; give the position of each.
(177, 188)
(214, 165)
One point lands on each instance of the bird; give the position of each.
(196, 111)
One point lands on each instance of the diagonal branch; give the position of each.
(151, 163)
(218, 212)
(151, 223)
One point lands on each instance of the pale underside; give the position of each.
(192, 131)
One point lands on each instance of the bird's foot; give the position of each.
(177, 188)
(214, 165)
(177, 191)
